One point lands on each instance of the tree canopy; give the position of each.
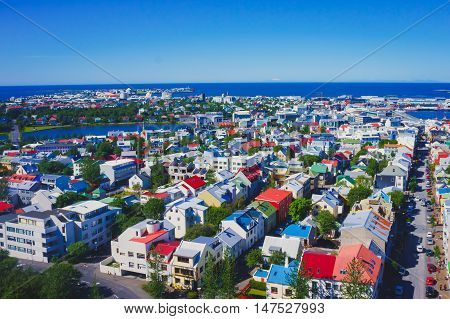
(197, 230)
(357, 194)
(154, 209)
(354, 286)
(300, 209)
(326, 222)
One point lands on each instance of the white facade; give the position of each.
(119, 170)
(184, 213)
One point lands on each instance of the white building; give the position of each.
(184, 213)
(131, 250)
(118, 170)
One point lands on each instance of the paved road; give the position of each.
(110, 286)
(15, 133)
(415, 263)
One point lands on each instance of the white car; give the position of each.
(419, 248)
(429, 235)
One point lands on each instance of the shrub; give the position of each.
(258, 285)
(192, 295)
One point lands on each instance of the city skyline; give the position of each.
(255, 41)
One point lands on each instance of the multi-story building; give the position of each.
(184, 213)
(189, 261)
(93, 221)
(37, 236)
(132, 249)
(118, 171)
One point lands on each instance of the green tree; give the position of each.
(398, 200)
(210, 177)
(76, 252)
(228, 276)
(276, 148)
(156, 286)
(305, 129)
(59, 281)
(412, 185)
(73, 152)
(197, 230)
(372, 167)
(90, 171)
(298, 281)
(277, 257)
(363, 181)
(68, 198)
(154, 209)
(104, 149)
(210, 279)
(357, 194)
(300, 208)
(354, 286)
(326, 222)
(4, 193)
(254, 258)
(309, 160)
(216, 214)
(437, 252)
(157, 176)
(94, 291)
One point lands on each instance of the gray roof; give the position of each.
(229, 237)
(7, 217)
(393, 170)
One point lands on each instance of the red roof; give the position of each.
(166, 248)
(146, 238)
(318, 264)
(370, 262)
(252, 173)
(156, 195)
(5, 206)
(274, 195)
(195, 182)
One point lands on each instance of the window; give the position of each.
(328, 285)
(183, 260)
(177, 280)
(130, 254)
(140, 256)
(274, 290)
(163, 267)
(288, 292)
(201, 269)
(131, 265)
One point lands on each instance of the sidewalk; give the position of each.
(441, 275)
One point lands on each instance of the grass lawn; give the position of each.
(28, 129)
(257, 292)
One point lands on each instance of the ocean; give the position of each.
(253, 89)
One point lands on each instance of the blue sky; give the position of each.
(222, 41)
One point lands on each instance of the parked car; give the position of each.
(402, 271)
(398, 290)
(431, 268)
(430, 241)
(430, 281)
(429, 235)
(429, 253)
(431, 292)
(419, 248)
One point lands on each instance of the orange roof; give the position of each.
(371, 263)
(146, 238)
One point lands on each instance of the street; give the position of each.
(415, 234)
(111, 287)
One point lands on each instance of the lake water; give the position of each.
(98, 130)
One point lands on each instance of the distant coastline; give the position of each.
(272, 89)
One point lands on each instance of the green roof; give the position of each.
(107, 200)
(319, 168)
(264, 208)
(348, 178)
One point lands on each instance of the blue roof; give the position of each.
(244, 218)
(280, 274)
(261, 273)
(445, 190)
(296, 230)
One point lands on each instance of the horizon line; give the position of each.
(231, 82)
